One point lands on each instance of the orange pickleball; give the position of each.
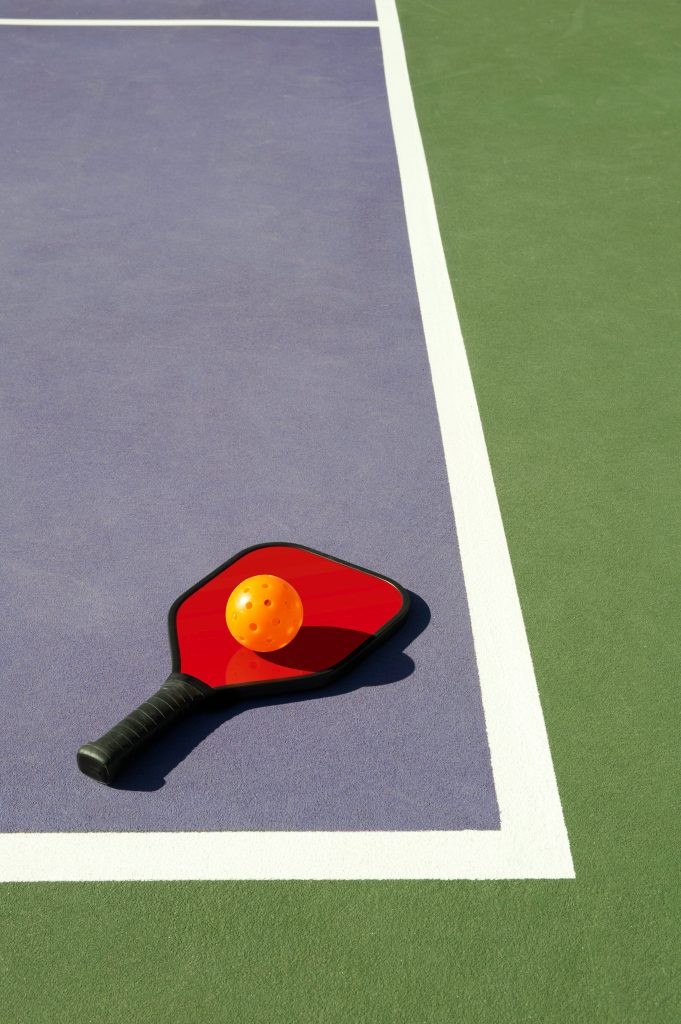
(264, 613)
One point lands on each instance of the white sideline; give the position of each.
(178, 23)
(532, 841)
(534, 837)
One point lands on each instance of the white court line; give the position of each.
(532, 841)
(178, 23)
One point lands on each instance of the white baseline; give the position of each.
(532, 841)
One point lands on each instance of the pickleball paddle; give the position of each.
(348, 611)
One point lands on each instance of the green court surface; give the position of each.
(553, 139)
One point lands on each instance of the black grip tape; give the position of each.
(103, 758)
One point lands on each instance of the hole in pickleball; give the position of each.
(268, 603)
(265, 586)
(275, 622)
(252, 626)
(249, 604)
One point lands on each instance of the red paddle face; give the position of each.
(346, 612)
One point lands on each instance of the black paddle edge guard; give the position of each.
(315, 680)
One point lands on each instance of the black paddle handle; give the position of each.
(103, 758)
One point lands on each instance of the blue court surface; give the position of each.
(217, 341)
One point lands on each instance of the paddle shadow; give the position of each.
(387, 664)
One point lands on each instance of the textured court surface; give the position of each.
(216, 342)
(553, 149)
